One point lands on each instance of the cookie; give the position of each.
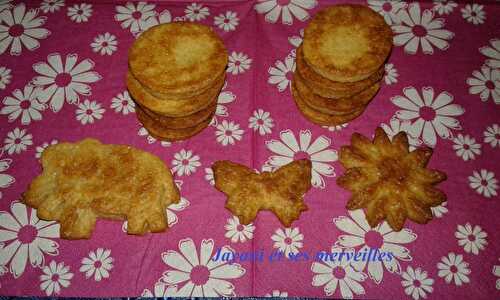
(161, 132)
(180, 59)
(347, 42)
(182, 122)
(320, 118)
(87, 180)
(281, 191)
(173, 107)
(388, 181)
(332, 89)
(341, 106)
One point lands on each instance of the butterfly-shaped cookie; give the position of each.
(248, 192)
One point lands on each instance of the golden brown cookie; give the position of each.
(333, 89)
(347, 42)
(161, 132)
(173, 108)
(281, 191)
(388, 181)
(179, 59)
(182, 122)
(87, 180)
(320, 118)
(341, 106)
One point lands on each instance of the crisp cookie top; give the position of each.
(347, 43)
(177, 57)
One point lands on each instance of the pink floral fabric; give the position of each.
(62, 70)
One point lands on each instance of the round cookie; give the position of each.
(320, 118)
(179, 59)
(333, 89)
(347, 42)
(173, 108)
(160, 132)
(182, 122)
(330, 106)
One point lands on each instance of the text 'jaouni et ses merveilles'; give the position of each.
(370, 254)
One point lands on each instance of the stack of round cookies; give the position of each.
(176, 72)
(340, 63)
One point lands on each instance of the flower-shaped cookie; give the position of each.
(388, 181)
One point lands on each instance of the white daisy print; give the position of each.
(466, 147)
(151, 140)
(98, 263)
(185, 163)
(416, 283)
(391, 74)
(5, 4)
(80, 13)
(17, 141)
(160, 290)
(198, 275)
(5, 77)
(137, 16)
(164, 17)
(42, 147)
(287, 10)
(444, 7)
(227, 21)
(104, 44)
(493, 53)
(338, 274)
(261, 121)
(395, 126)
(5, 179)
(277, 293)
(209, 176)
(64, 80)
(453, 267)
(238, 232)
(228, 132)
(430, 115)
(225, 97)
(55, 276)
(496, 272)
(288, 148)
(171, 210)
(19, 28)
(281, 73)
(389, 9)
(25, 238)
(122, 103)
(51, 5)
(238, 63)
(89, 111)
(440, 210)
(492, 135)
(288, 241)
(144, 132)
(474, 13)
(180, 19)
(485, 83)
(472, 239)
(336, 127)
(484, 183)
(296, 40)
(420, 29)
(24, 105)
(382, 237)
(196, 12)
